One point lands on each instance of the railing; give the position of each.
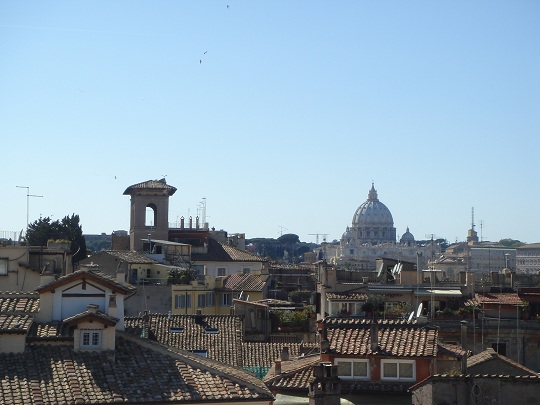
(149, 281)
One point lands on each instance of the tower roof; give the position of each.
(153, 185)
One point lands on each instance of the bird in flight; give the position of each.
(228, 6)
(200, 61)
(205, 52)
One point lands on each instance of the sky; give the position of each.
(278, 115)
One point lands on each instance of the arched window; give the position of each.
(151, 215)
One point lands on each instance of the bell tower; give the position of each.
(149, 212)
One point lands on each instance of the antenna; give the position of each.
(28, 195)
(324, 235)
(472, 218)
(282, 228)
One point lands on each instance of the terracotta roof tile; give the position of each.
(15, 323)
(401, 340)
(48, 330)
(153, 185)
(489, 355)
(55, 374)
(92, 275)
(496, 298)
(19, 302)
(245, 282)
(129, 256)
(295, 374)
(220, 252)
(183, 332)
(262, 354)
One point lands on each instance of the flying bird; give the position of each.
(205, 52)
(200, 61)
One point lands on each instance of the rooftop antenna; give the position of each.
(481, 231)
(282, 228)
(324, 235)
(28, 195)
(472, 218)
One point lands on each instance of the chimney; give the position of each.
(197, 222)
(374, 335)
(92, 308)
(182, 223)
(285, 353)
(46, 276)
(464, 346)
(190, 222)
(120, 275)
(277, 367)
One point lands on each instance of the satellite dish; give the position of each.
(419, 311)
(380, 269)
(411, 315)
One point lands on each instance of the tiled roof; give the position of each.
(393, 340)
(129, 256)
(15, 303)
(138, 371)
(94, 275)
(92, 315)
(489, 355)
(219, 335)
(15, 323)
(452, 349)
(245, 282)
(262, 354)
(496, 298)
(460, 377)
(295, 374)
(49, 331)
(332, 321)
(220, 252)
(346, 296)
(153, 185)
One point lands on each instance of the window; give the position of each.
(182, 301)
(246, 270)
(90, 339)
(201, 300)
(3, 266)
(226, 300)
(221, 271)
(352, 369)
(202, 353)
(210, 299)
(398, 370)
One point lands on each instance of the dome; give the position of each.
(373, 212)
(407, 237)
(348, 235)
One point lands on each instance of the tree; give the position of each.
(43, 230)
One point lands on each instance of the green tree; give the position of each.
(512, 243)
(43, 230)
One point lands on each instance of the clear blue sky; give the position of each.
(279, 113)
